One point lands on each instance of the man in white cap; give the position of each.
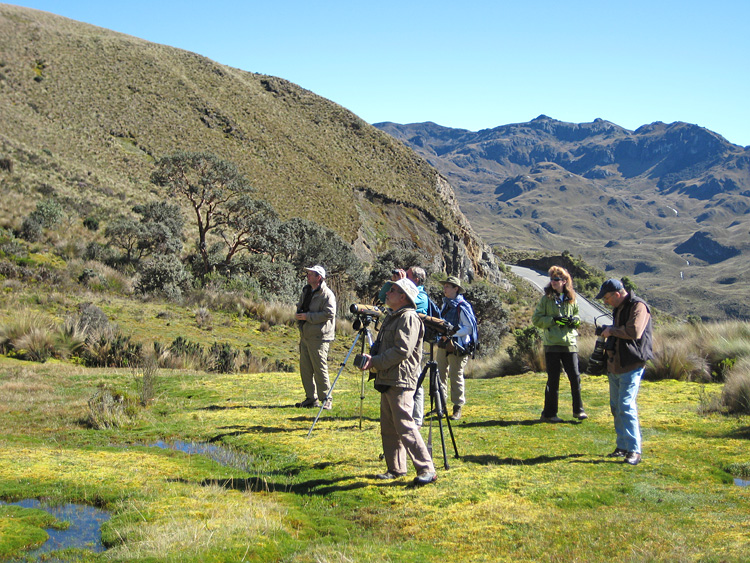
(316, 316)
(396, 365)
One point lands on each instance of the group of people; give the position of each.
(396, 360)
(628, 345)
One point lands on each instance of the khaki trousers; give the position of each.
(451, 366)
(313, 368)
(400, 435)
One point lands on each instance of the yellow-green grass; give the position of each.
(521, 490)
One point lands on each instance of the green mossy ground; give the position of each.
(521, 490)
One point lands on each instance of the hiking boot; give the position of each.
(388, 475)
(581, 416)
(550, 418)
(328, 404)
(633, 458)
(619, 452)
(456, 412)
(308, 404)
(425, 478)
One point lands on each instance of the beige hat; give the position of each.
(453, 280)
(318, 270)
(408, 287)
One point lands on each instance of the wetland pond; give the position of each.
(84, 532)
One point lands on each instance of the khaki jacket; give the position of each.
(398, 360)
(321, 316)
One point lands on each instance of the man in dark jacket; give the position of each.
(629, 344)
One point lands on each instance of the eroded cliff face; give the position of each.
(455, 249)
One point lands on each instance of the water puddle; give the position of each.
(742, 482)
(222, 455)
(85, 531)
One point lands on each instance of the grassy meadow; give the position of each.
(520, 491)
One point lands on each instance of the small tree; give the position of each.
(210, 185)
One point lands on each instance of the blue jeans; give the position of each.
(623, 392)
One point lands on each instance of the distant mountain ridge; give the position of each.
(86, 111)
(666, 204)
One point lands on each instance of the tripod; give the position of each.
(437, 405)
(364, 331)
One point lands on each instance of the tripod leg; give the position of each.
(440, 412)
(330, 391)
(441, 409)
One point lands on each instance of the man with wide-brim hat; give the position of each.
(396, 365)
(316, 317)
(451, 356)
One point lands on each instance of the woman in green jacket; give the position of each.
(557, 316)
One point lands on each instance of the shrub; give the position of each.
(91, 223)
(163, 274)
(528, 352)
(145, 373)
(109, 408)
(111, 348)
(222, 358)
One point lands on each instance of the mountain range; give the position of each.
(667, 205)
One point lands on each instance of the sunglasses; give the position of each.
(556, 279)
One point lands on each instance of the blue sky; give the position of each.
(472, 64)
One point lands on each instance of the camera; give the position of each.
(598, 360)
(396, 272)
(360, 360)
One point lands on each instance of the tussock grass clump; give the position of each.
(29, 335)
(735, 396)
(109, 408)
(677, 359)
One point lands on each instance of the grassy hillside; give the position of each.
(86, 111)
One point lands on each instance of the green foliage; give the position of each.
(527, 353)
(492, 316)
(91, 223)
(159, 231)
(111, 348)
(47, 214)
(215, 190)
(163, 274)
(222, 357)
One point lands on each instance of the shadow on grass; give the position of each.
(235, 407)
(318, 487)
(740, 433)
(506, 423)
(495, 460)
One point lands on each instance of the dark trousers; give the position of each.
(569, 361)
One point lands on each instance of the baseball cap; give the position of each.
(609, 286)
(318, 270)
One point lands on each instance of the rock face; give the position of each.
(630, 202)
